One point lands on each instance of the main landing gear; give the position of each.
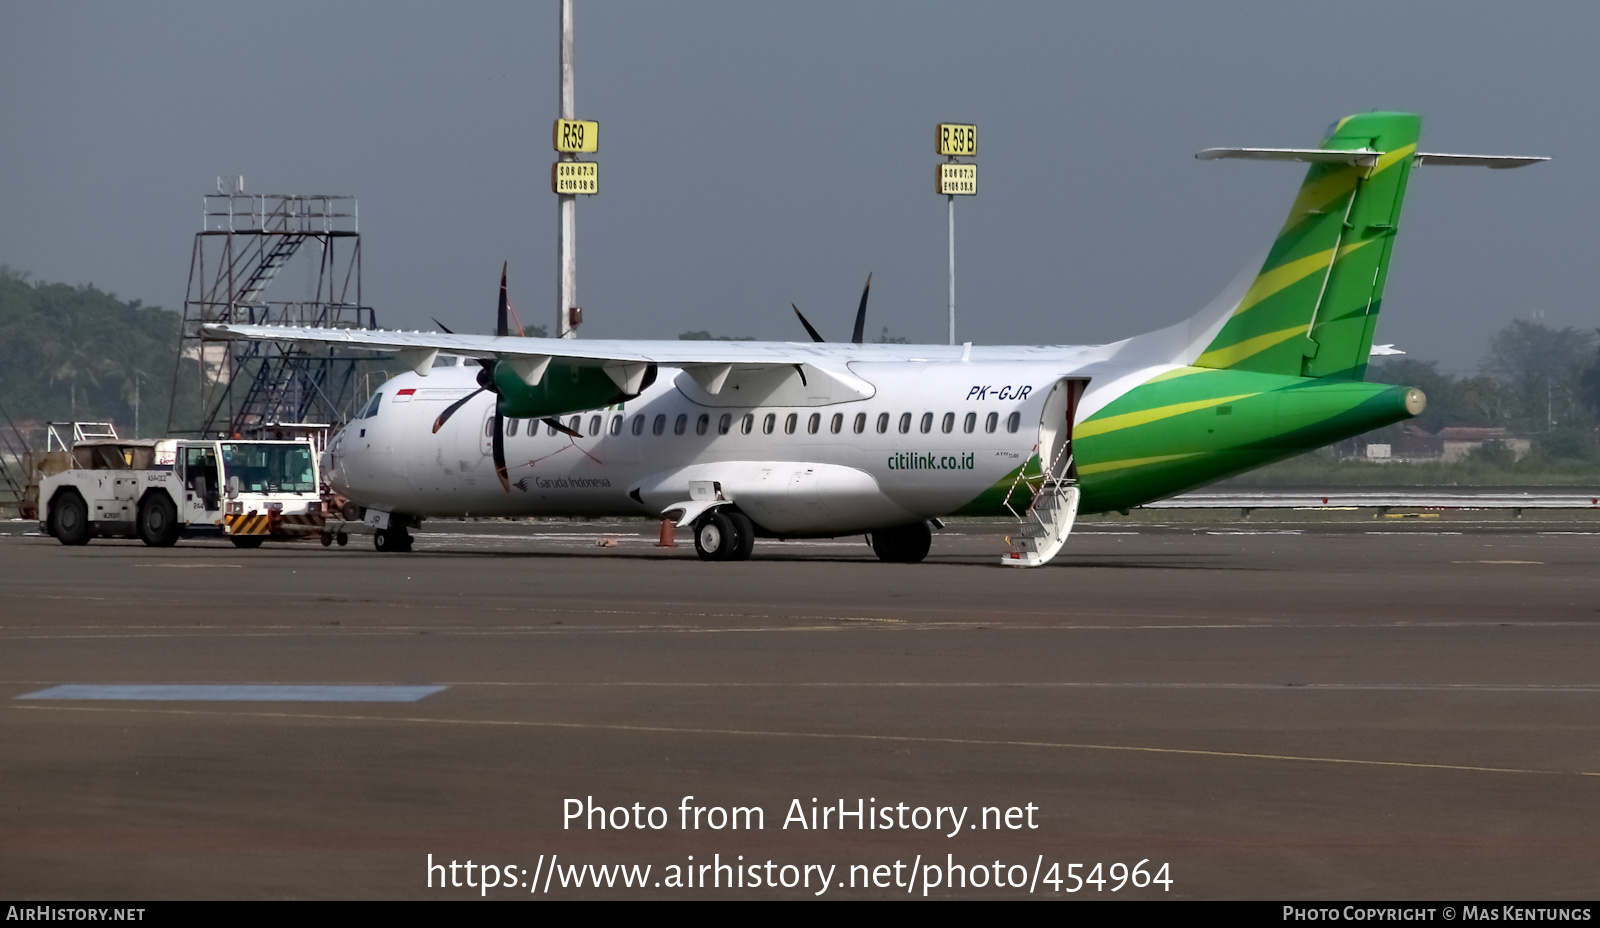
(902, 544)
(724, 535)
(397, 537)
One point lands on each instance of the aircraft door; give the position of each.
(1055, 426)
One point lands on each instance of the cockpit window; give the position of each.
(372, 407)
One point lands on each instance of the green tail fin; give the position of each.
(1313, 308)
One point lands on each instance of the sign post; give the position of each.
(956, 179)
(569, 179)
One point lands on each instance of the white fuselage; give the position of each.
(927, 439)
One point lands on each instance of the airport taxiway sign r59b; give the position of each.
(958, 140)
(574, 136)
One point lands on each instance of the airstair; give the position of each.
(1050, 492)
(1047, 521)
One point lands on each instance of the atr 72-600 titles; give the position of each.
(794, 440)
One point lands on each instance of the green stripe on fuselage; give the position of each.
(1261, 418)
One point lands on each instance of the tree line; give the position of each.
(77, 352)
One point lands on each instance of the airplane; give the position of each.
(742, 440)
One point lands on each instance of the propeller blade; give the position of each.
(451, 410)
(500, 449)
(556, 424)
(811, 331)
(500, 326)
(442, 327)
(861, 313)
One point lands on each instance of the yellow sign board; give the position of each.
(575, 177)
(572, 136)
(958, 180)
(956, 139)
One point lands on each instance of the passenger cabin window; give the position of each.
(659, 426)
(488, 427)
(905, 422)
(969, 423)
(511, 428)
(550, 429)
(837, 424)
(638, 425)
(927, 422)
(991, 421)
(1013, 422)
(814, 423)
(861, 422)
(725, 424)
(789, 422)
(769, 423)
(883, 422)
(573, 423)
(948, 424)
(594, 425)
(680, 424)
(702, 424)
(616, 425)
(748, 423)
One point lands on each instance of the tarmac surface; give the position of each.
(1278, 710)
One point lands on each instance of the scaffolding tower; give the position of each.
(245, 240)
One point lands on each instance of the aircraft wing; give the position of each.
(709, 363)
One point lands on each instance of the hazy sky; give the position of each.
(755, 154)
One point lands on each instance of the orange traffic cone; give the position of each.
(667, 539)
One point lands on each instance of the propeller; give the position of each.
(809, 330)
(486, 383)
(861, 317)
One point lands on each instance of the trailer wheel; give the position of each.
(247, 541)
(158, 521)
(342, 538)
(327, 539)
(69, 519)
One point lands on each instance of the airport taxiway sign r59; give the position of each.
(573, 136)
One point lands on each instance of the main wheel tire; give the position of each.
(247, 541)
(715, 538)
(158, 521)
(69, 519)
(392, 540)
(745, 535)
(903, 544)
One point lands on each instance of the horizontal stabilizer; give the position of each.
(1365, 157)
(1384, 351)
(1477, 161)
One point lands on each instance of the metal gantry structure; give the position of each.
(244, 242)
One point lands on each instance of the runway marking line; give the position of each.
(1497, 562)
(818, 736)
(237, 692)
